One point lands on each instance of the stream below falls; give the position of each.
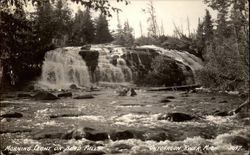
(112, 124)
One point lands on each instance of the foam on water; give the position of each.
(63, 67)
(109, 72)
(89, 118)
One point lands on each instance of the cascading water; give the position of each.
(109, 72)
(63, 67)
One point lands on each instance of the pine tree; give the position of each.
(88, 28)
(78, 37)
(128, 36)
(102, 31)
(208, 27)
(62, 19)
(44, 22)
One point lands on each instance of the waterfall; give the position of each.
(109, 72)
(63, 67)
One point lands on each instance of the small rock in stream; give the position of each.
(44, 96)
(88, 96)
(176, 117)
(23, 95)
(170, 97)
(165, 101)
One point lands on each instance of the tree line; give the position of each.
(225, 45)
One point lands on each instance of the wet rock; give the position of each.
(224, 101)
(170, 97)
(12, 115)
(73, 86)
(68, 94)
(74, 134)
(95, 135)
(132, 92)
(86, 47)
(49, 133)
(88, 96)
(176, 117)
(155, 136)
(126, 134)
(220, 113)
(123, 92)
(238, 140)
(19, 130)
(122, 146)
(45, 96)
(24, 95)
(165, 101)
(87, 133)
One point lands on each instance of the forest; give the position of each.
(222, 43)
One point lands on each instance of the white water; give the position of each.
(63, 67)
(109, 72)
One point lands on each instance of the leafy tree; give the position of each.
(102, 31)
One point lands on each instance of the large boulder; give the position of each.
(12, 115)
(94, 135)
(44, 96)
(87, 133)
(67, 94)
(126, 134)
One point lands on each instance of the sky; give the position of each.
(168, 13)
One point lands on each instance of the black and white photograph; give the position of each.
(124, 77)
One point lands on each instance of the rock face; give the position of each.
(143, 63)
(176, 117)
(91, 59)
(44, 96)
(139, 61)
